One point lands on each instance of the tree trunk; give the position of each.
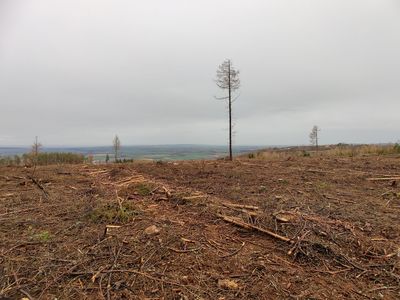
(230, 114)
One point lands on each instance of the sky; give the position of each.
(77, 72)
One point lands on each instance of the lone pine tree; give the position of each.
(228, 79)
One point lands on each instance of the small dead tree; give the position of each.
(36, 146)
(314, 136)
(228, 79)
(116, 146)
(34, 156)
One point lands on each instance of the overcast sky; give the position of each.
(78, 72)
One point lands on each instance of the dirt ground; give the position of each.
(299, 228)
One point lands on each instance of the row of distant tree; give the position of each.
(36, 157)
(43, 158)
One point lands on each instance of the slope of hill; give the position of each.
(304, 228)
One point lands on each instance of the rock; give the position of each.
(152, 230)
(228, 284)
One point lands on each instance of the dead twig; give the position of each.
(240, 206)
(167, 192)
(234, 252)
(18, 211)
(128, 271)
(26, 294)
(37, 183)
(240, 223)
(384, 178)
(184, 251)
(110, 274)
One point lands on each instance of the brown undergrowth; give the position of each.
(201, 230)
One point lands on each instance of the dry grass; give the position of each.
(326, 151)
(351, 151)
(202, 230)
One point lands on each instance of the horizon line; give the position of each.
(188, 144)
(140, 145)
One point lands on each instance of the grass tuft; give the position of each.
(113, 213)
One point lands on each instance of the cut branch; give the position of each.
(384, 178)
(240, 223)
(37, 183)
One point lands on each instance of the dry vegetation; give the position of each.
(340, 150)
(296, 227)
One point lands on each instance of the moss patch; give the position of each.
(113, 213)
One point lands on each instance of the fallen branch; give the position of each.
(26, 294)
(8, 178)
(319, 171)
(234, 252)
(37, 183)
(18, 211)
(252, 214)
(127, 271)
(384, 178)
(194, 197)
(167, 192)
(240, 206)
(98, 172)
(183, 251)
(240, 223)
(135, 179)
(63, 173)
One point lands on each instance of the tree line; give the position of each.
(35, 157)
(44, 158)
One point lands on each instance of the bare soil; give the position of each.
(301, 228)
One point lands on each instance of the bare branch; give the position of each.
(221, 98)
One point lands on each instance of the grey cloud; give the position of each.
(77, 72)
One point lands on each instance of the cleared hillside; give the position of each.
(302, 228)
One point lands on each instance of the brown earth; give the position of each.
(301, 228)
